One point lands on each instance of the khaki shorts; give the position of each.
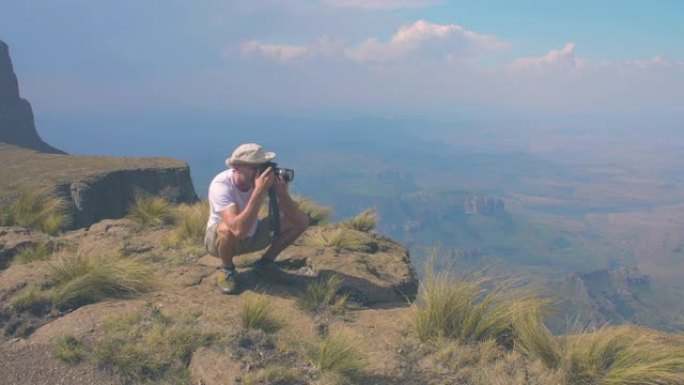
(261, 239)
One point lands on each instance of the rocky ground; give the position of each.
(380, 283)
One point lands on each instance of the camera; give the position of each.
(285, 174)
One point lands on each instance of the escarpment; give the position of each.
(94, 187)
(17, 126)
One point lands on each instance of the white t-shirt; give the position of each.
(223, 193)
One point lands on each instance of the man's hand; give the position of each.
(264, 181)
(281, 187)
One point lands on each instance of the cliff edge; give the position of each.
(16, 116)
(94, 187)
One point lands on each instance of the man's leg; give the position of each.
(293, 223)
(226, 246)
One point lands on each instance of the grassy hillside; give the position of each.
(134, 301)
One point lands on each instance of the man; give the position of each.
(235, 196)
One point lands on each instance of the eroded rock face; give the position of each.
(16, 116)
(110, 194)
(94, 187)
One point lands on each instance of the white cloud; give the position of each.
(323, 47)
(556, 59)
(660, 61)
(383, 4)
(426, 39)
(280, 52)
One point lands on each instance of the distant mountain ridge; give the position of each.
(17, 126)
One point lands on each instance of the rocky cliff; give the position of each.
(95, 187)
(16, 116)
(483, 205)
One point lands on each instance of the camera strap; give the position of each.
(274, 211)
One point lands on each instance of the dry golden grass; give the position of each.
(190, 224)
(319, 214)
(147, 346)
(68, 349)
(533, 339)
(256, 313)
(28, 254)
(339, 354)
(322, 294)
(37, 209)
(365, 221)
(150, 211)
(31, 299)
(622, 355)
(460, 309)
(80, 280)
(337, 238)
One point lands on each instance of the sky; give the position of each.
(392, 58)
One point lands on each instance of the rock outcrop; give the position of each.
(16, 116)
(95, 188)
(483, 205)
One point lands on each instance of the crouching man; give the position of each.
(235, 196)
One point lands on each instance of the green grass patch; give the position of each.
(37, 209)
(256, 313)
(319, 214)
(32, 253)
(80, 280)
(148, 211)
(148, 346)
(322, 294)
(365, 221)
(338, 238)
(68, 349)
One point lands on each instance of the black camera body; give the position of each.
(285, 174)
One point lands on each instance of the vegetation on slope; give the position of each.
(36, 209)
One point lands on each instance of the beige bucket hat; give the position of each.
(249, 153)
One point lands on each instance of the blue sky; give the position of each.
(431, 58)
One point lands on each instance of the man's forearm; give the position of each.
(286, 201)
(246, 219)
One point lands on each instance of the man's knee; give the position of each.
(224, 235)
(302, 221)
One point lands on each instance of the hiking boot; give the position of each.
(268, 269)
(266, 263)
(227, 280)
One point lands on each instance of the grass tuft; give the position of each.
(190, 224)
(82, 280)
(622, 355)
(322, 294)
(319, 214)
(533, 339)
(147, 346)
(150, 211)
(339, 238)
(32, 300)
(28, 254)
(39, 210)
(339, 354)
(68, 349)
(257, 314)
(460, 309)
(365, 221)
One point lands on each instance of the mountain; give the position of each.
(16, 116)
